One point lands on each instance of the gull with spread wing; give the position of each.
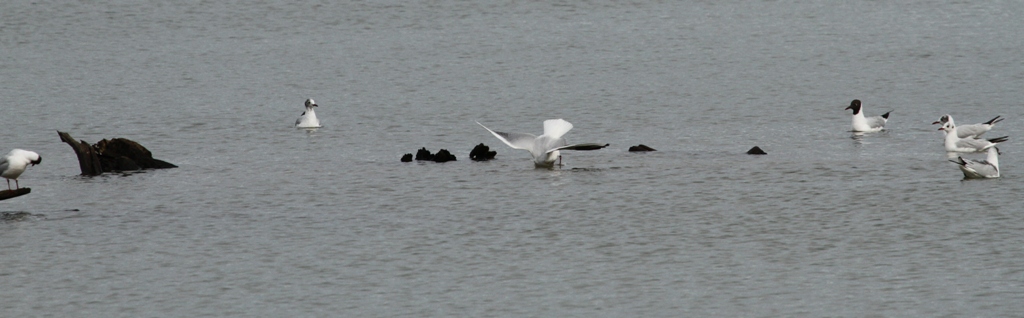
(544, 148)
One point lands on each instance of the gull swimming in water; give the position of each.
(969, 131)
(866, 124)
(954, 143)
(15, 162)
(544, 148)
(308, 118)
(980, 169)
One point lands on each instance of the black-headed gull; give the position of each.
(308, 118)
(544, 148)
(15, 162)
(866, 124)
(979, 169)
(954, 143)
(969, 131)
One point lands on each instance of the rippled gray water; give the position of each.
(262, 219)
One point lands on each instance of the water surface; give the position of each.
(261, 219)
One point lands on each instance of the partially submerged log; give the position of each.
(88, 160)
(116, 154)
(640, 148)
(9, 194)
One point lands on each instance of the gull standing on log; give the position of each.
(15, 162)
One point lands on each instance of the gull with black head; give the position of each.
(866, 124)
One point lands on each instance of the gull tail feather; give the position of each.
(999, 139)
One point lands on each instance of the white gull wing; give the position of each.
(556, 128)
(515, 140)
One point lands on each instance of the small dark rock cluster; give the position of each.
(641, 147)
(444, 156)
(424, 155)
(756, 151)
(482, 153)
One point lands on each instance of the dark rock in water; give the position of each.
(117, 154)
(424, 154)
(756, 151)
(481, 152)
(641, 147)
(444, 156)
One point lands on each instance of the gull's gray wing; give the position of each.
(977, 168)
(971, 143)
(982, 167)
(876, 122)
(515, 140)
(965, 131)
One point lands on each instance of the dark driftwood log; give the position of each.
(125, 154)
(640, 147)
(117, 154)
(88, 160)
(8, 194)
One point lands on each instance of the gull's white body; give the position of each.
(954, 143)
(866, 124)
(980, 169)
(544, 148)
(969, 131)
(15, 163)
(308, 118)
